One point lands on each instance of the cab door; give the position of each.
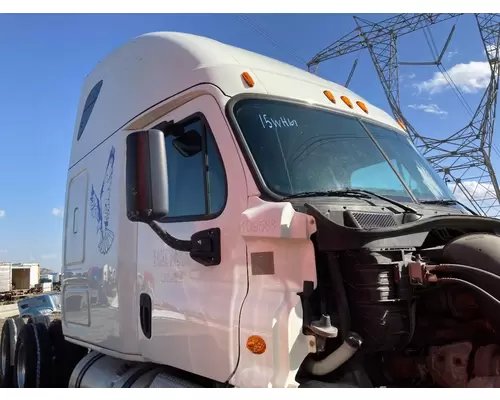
(195, 308)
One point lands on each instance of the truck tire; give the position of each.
(33, 357)
(66, 355)
(8, 340)
(43, 319)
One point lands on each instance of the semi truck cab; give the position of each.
(246, 223)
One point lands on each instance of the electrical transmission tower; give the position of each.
(463, 159)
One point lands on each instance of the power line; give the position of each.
(452, 84)
(457, 91)
(253, 25)
(464, 156)
(449, 80)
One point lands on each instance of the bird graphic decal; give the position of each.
(100, 206)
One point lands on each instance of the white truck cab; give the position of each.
(244, 222)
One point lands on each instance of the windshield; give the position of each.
(299, 149)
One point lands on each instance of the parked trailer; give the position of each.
(18, 276)
(18, 280)
(25, 276)
(235, 221)
(5, 277)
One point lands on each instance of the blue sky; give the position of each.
(45, 58)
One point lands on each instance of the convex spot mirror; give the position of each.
(188, 144)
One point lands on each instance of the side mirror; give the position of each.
(146, 176)
(147, 191)
(188, 144)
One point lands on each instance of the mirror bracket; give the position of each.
(170, 128)
(204, 246)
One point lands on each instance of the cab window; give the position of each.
(196, 176)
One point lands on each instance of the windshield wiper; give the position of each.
(448, 202)
(356, 193)
(328, 193)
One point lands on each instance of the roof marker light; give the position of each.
(362, 106)
(330, 96)
(248, 79)
(401, 124)
(347, 101)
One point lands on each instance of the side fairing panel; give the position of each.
(281, 258)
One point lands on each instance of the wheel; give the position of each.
(66, 355)
(43, 319)
(8, 341)
(33, 357)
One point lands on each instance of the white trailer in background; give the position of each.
(17, 279)
(25, 275)
(235, 221)
(5, 277)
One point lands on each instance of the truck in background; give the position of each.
(233, 221)
(17, 280)
(50, 281)
(50, 277)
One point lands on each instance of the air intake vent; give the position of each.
(443, 234)
(367, 220)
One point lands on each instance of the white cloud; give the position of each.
(58, 212)
(483, 193)
(3, 251)
(2, 213)
(451, 54)
(491, 49)
(410, 76)
(429, 108)
(458, 193)
(469, 78)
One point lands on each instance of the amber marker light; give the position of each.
(256, 344)
(347, 101)
(330, 96)
(248, 79)
(362, 106)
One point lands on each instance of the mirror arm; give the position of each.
(204, 246)
(176, 244)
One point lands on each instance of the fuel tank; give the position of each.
(97, 370)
